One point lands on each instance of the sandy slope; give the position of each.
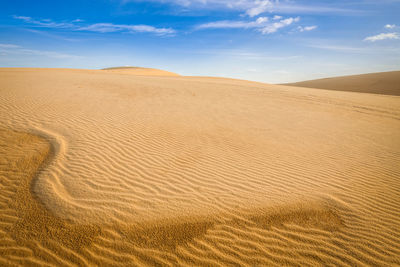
(195, 171)
(386, 83)
(140, 71)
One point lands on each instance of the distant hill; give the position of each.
(141, 71)
(386, 83)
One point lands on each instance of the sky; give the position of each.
(262, 40)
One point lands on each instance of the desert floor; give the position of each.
(116, 167)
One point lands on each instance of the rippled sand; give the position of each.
(108, 168)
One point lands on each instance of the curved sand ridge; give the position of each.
(205, 171)
(31, 235)
(386, 83)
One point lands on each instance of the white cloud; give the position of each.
(382, 36)
(97, 27)
(45, 22)
(259, 8)
(22, 18)
(276, 17)
(231, 24)
(261, 20)
(100, 27)
(251, 8)
(288, 7)
(110, 27)
(390, 26)
(254, 8)
(261, 23)
(307, 28)
(151, 29)
(271, 28)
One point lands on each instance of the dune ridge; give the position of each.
(140, 71)
(249, 173)
(386, 83)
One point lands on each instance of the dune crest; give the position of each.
(140, 71)
(385, 83)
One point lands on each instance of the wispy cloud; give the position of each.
(390, 26)
(307, 28)
(274, 27)
(76, 25)
(110, 27)
(254, 8)
(45, 22)
(260, 6)
(231, 24)
(250, 8)
(262, 24)
(382, 36)
(288, 7)
(16, 49)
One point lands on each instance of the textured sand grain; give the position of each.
(386, 83)
(194, 171)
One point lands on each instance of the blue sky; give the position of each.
(262, 40)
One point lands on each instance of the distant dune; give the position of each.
(103, 169)
(140, 71)
(385, 83)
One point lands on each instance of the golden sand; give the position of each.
(140, 71)
(105, 168)
(386, 83)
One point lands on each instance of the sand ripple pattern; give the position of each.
(239, 172)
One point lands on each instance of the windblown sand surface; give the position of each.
(140, 71)
(102, 168)
(386, 83)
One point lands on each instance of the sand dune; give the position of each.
(104, 168)
(386, 83)
(140, 71)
